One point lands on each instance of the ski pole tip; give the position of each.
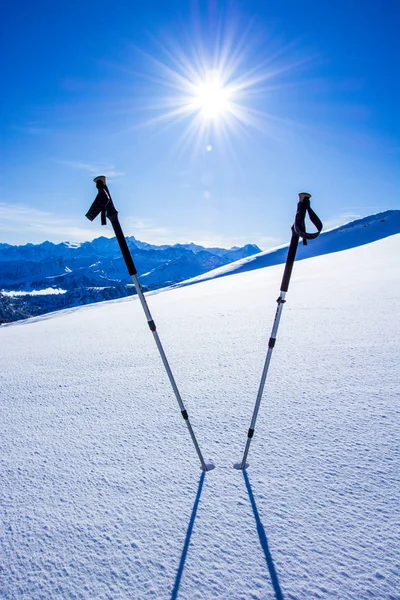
(240, 466)
(207, 467)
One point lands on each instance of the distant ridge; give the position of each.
(40, 278)
(36, 279)
(355, 233)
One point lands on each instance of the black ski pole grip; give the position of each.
(103, 204)
(130, 265)
(299, 226)
(299, 231)
(294, 242)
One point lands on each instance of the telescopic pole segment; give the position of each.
(271, 344)
(104, 204)
(168, 369)
(281, 300)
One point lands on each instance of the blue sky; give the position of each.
(88, 88)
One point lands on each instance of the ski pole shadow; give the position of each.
(264, 542)
(179, 572)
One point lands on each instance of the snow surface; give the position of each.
(350, 235)
(45, 292)
(102, 493)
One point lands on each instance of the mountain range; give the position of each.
(39, 278)
(36, 279)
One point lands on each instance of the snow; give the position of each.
(44, 292)
(103, 496)
(355, 233)
(73, 244)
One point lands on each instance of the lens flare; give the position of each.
(218, 89)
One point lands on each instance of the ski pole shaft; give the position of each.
(298, 230)
(103, 204)
(281, 300)
(153, 329)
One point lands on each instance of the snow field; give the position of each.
(100, 476)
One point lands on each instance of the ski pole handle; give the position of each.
(303, 196)
(102, 203)
(299, 227)
(299, 231)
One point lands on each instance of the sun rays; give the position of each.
(216, 86)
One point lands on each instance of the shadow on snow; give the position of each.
(261, 534)
(178, 577)
(264, 542)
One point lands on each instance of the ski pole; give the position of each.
(298, 231)
(103, 204)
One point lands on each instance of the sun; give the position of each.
(216, 87)
(211, 98)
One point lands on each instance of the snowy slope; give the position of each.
(350, 235)
(102, 493)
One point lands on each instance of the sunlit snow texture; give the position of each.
(102, 493)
